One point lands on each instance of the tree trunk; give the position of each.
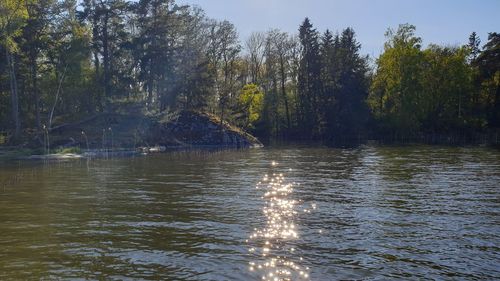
(276, 103)
(95, 38)
(14, 94)
(105, 56)
(98, 96)
(59, 86)
(150, 85)
(95, 46)
(223, 106)
(496, 111)
(34, 79)
(224, 96)
(283, 92)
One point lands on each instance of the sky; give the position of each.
(443, 22)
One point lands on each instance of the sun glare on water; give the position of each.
(273, 246)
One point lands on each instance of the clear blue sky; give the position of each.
(447, 22)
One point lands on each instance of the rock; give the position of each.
(182, 129)
(190, 128)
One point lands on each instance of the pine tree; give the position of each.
(329, 79)
(474, 43)
(351, 106)
(309, 81)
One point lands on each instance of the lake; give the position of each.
(292, 213)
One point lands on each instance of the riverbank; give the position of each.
(19, 153)
(28, 154)
(110, 135)
(132, 133)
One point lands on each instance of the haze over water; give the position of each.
(376, 213)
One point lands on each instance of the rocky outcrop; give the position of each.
(182, 129)
(196, 129)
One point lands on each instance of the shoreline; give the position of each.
(24, 154)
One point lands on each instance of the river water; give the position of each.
(376, 213)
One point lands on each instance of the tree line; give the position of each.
(440, 89)
(63, 60)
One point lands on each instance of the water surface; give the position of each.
(371, 213)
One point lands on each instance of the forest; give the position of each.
(64, 60)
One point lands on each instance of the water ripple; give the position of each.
(376, 213)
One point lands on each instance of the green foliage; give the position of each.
(345, 86)
(431, 90)
(13, 15)
(67, 60)
(488, 65)
(446, 89)
(396, 89)
(251, 104)
(309, 79)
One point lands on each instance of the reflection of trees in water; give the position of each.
(323, 163)
(407, 163)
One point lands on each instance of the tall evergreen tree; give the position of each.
(350, 106)
(329, 79)
(154, 48)
(474, 46)
(309, 82)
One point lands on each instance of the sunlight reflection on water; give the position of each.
(274, 254)
(370, 213)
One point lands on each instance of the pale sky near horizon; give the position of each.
(444, 22)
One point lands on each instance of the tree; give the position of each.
(474, 43)
(294, 66)
(330, 78)
(446, 89)
(255, 46)
(110, 41)
(270, 84)
(68, 55)
(282, 46)
(223, 52)
(489, 70)
(250, 103)
(350, 99)
(396, 89)
(309, 83)
(13, 15)
(154, 47)
(35, 36)
(193, 80)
